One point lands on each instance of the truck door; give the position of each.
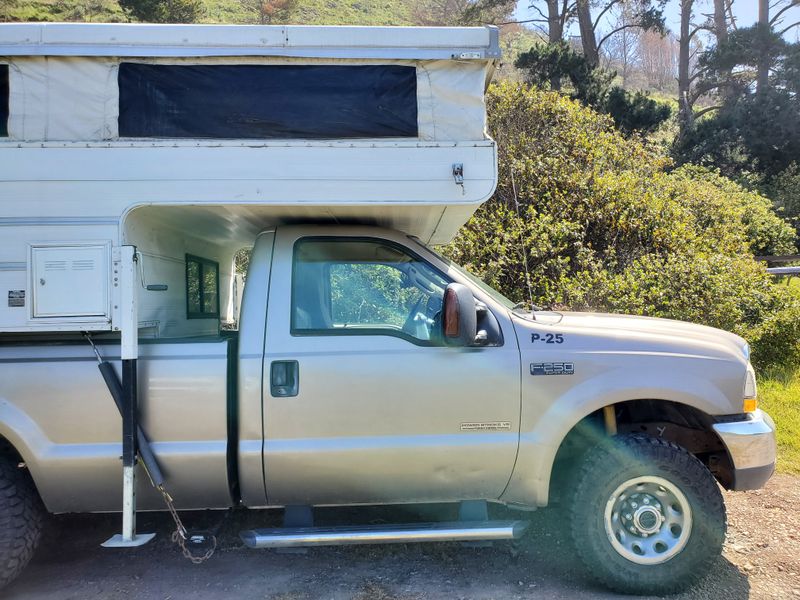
(361, 404)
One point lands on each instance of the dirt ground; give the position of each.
(761, 560)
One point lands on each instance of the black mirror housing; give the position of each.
(459, 316)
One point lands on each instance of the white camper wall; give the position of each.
(62, 98)
(163, 251)
(18, 235)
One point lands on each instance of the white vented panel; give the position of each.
(69, 281)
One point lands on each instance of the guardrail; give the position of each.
(779, 258)
(783, 258)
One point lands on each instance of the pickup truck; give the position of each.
(368, 369)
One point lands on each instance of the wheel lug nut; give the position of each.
(634, 505)
(647, 500)
(628, 516)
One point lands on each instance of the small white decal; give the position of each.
(490, 426)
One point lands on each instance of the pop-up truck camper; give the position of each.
(362, 367)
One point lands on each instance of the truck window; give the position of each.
(4, 90)
(267, 101)
(364, 287)
(202, 288)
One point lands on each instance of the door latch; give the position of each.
(458, 175)
(284, 378)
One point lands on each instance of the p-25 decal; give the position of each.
(547, 338)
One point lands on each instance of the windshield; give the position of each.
(509, 304)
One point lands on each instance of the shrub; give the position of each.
(604, 225)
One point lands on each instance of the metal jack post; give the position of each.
(125, 296)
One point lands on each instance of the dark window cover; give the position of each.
(267, 101)
(3, 100)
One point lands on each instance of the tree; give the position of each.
(756, 75)
(767, 25)
(685, 77)
(559, 14)
(658, 59)
(588, 39)
(623, 49)
(592, 86)
(645, 15)
(272, 11)
(461, 12)
(163, 11)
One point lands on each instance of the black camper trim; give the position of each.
(4, 93)
(267, 101)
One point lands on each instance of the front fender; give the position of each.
(547, 419)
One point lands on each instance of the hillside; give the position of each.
(310, 12)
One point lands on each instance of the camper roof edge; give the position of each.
(303, 41)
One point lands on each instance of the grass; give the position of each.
(779, 395)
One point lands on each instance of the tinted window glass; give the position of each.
(350, 287)
(3, 100)
(267, 101)
(202, 288)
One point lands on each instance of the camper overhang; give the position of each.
(138, 40)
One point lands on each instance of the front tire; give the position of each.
(646, 516)
(21, 515)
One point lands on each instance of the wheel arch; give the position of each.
(547, 420)
(24, 440)
(680, 423)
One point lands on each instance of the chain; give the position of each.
(179, 539)
(181, 536)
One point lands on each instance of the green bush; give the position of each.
(784, 191)
(604, 225)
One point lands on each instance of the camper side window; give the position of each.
(202, 288)
(4, 90)
(267, 101)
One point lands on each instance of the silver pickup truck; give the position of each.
(368, 369)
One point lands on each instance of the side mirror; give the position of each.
(459, 316)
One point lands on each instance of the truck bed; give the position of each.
(56, 409)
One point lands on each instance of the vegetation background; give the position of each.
(642, 169)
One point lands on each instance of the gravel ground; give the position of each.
(761, 560)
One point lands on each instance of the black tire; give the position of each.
(608, 468)
(21, 516)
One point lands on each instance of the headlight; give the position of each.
(750, 391)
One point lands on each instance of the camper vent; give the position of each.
(55, 265)
(70, 281)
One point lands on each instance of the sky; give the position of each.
(745, 11)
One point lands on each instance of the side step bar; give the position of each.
(383, 534)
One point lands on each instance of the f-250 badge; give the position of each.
(553, 368)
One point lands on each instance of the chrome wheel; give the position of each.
(648, 520)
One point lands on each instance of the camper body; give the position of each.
(356, 366)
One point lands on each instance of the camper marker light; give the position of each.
(750, 405)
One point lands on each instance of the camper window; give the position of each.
(202, 288)
(3, 100)
(267, 101)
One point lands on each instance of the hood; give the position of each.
(628, 332)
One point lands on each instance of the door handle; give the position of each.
(284, 378)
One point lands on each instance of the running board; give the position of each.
(460, 531)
